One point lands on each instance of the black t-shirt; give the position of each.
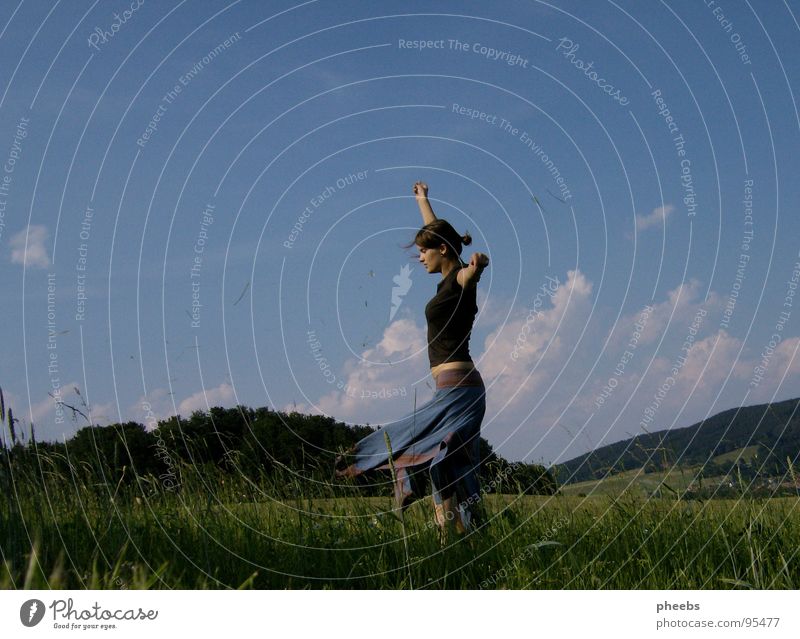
(450, 314)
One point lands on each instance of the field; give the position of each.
(635, 482)
(221, 532)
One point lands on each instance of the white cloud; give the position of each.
(43, 413)
(708, 363)
(677, 312)
(528, 352)
(37, 414)
(492, 309)
(402, 337)
(105, 414)
(780, 364)
(379, 385)
(27, 247)
(656, 217)
(207, 398)
(158, 404)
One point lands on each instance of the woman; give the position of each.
(440, 438)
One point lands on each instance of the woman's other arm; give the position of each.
(470, 275)
(421, 193)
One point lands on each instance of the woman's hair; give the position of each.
(441, 232)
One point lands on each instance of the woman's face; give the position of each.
(432, 258)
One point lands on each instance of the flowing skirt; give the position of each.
(440, 439)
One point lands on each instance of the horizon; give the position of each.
(257, 408)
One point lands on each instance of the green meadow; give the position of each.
(218, 530)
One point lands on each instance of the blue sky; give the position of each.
(272, 190)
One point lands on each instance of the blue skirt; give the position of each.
(441, 439)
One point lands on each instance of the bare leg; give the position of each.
(462, 519)
(448, 515)
(440, 518)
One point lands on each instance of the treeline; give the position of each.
(251, 445)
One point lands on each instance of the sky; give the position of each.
(206, 204)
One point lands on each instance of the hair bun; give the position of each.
(466, 239)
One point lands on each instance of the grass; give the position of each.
(635, 482)
(219, 531)
(744, 454)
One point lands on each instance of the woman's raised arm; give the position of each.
(421, 193)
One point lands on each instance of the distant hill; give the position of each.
(759, 439)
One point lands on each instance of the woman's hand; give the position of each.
(479, 261)
(421, 194)
(471, 274)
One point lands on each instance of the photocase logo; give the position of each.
(403, 281)
(31, 612)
